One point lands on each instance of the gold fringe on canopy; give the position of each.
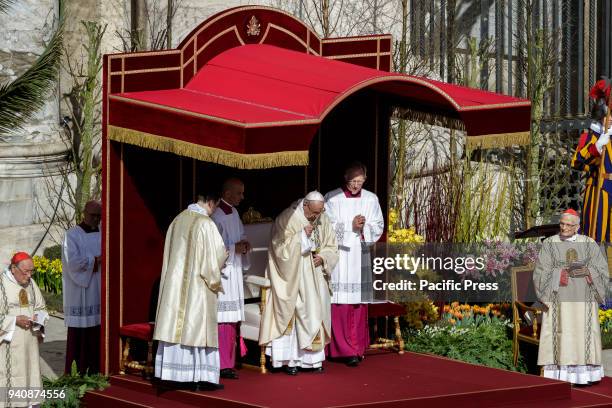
(488, 141)
(498, 140)
(430, 118)
(206, 153)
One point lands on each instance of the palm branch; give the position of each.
(23, 97)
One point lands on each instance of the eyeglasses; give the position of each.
(356, 182)
(565, 224)
(30, 271)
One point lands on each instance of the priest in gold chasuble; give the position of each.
(22, 319)
(571, 280)
(186, 322)
(296, 322)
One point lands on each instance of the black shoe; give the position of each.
(178, 385)
(318, 370)
(229, 374)
(291, 370)
(352, 361)
(208, 386)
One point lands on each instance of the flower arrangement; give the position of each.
(605, 323)
(457, 314)
(48, 274)
(500, 256)
(605, 320)
(420, 313)
(401, 235)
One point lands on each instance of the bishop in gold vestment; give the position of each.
(186, 322)
(296, 323)
(22, 318)
(571, 279)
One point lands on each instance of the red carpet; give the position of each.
(604, 387)
(382, 380)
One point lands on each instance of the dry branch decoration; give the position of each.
(81, 177)
(150, 25)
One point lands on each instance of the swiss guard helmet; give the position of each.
(600, 94)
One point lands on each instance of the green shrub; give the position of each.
(75, 386)
(485, 344)
(53, 252)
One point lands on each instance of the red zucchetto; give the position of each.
(20, 256)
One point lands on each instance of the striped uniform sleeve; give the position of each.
(586, 157)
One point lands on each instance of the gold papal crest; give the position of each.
(253, 28)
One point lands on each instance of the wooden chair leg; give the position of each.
(515, 348)
(375, 331)
(148, 371)
(398, 335)
(262, 360)
(262, 307)
(126, 354)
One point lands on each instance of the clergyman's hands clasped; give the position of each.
(358, 222)
(23, 322)
(317, 260)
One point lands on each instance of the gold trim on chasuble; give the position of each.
(207, 153)
(289, 327)
(184, 287)
(23, 298)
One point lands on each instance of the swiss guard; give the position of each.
(593, 156)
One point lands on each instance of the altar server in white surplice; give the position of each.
(186, 320)
(81, 264)
(230, 305)
(358, 221)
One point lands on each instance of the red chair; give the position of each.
(140, 331)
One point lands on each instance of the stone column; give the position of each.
(33, 155)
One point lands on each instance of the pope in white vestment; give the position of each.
(186, 320)
(571, 279)
(22, 319)
(296, 320)
(230, 305)
(357, 219)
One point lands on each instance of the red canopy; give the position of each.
(258, 106)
